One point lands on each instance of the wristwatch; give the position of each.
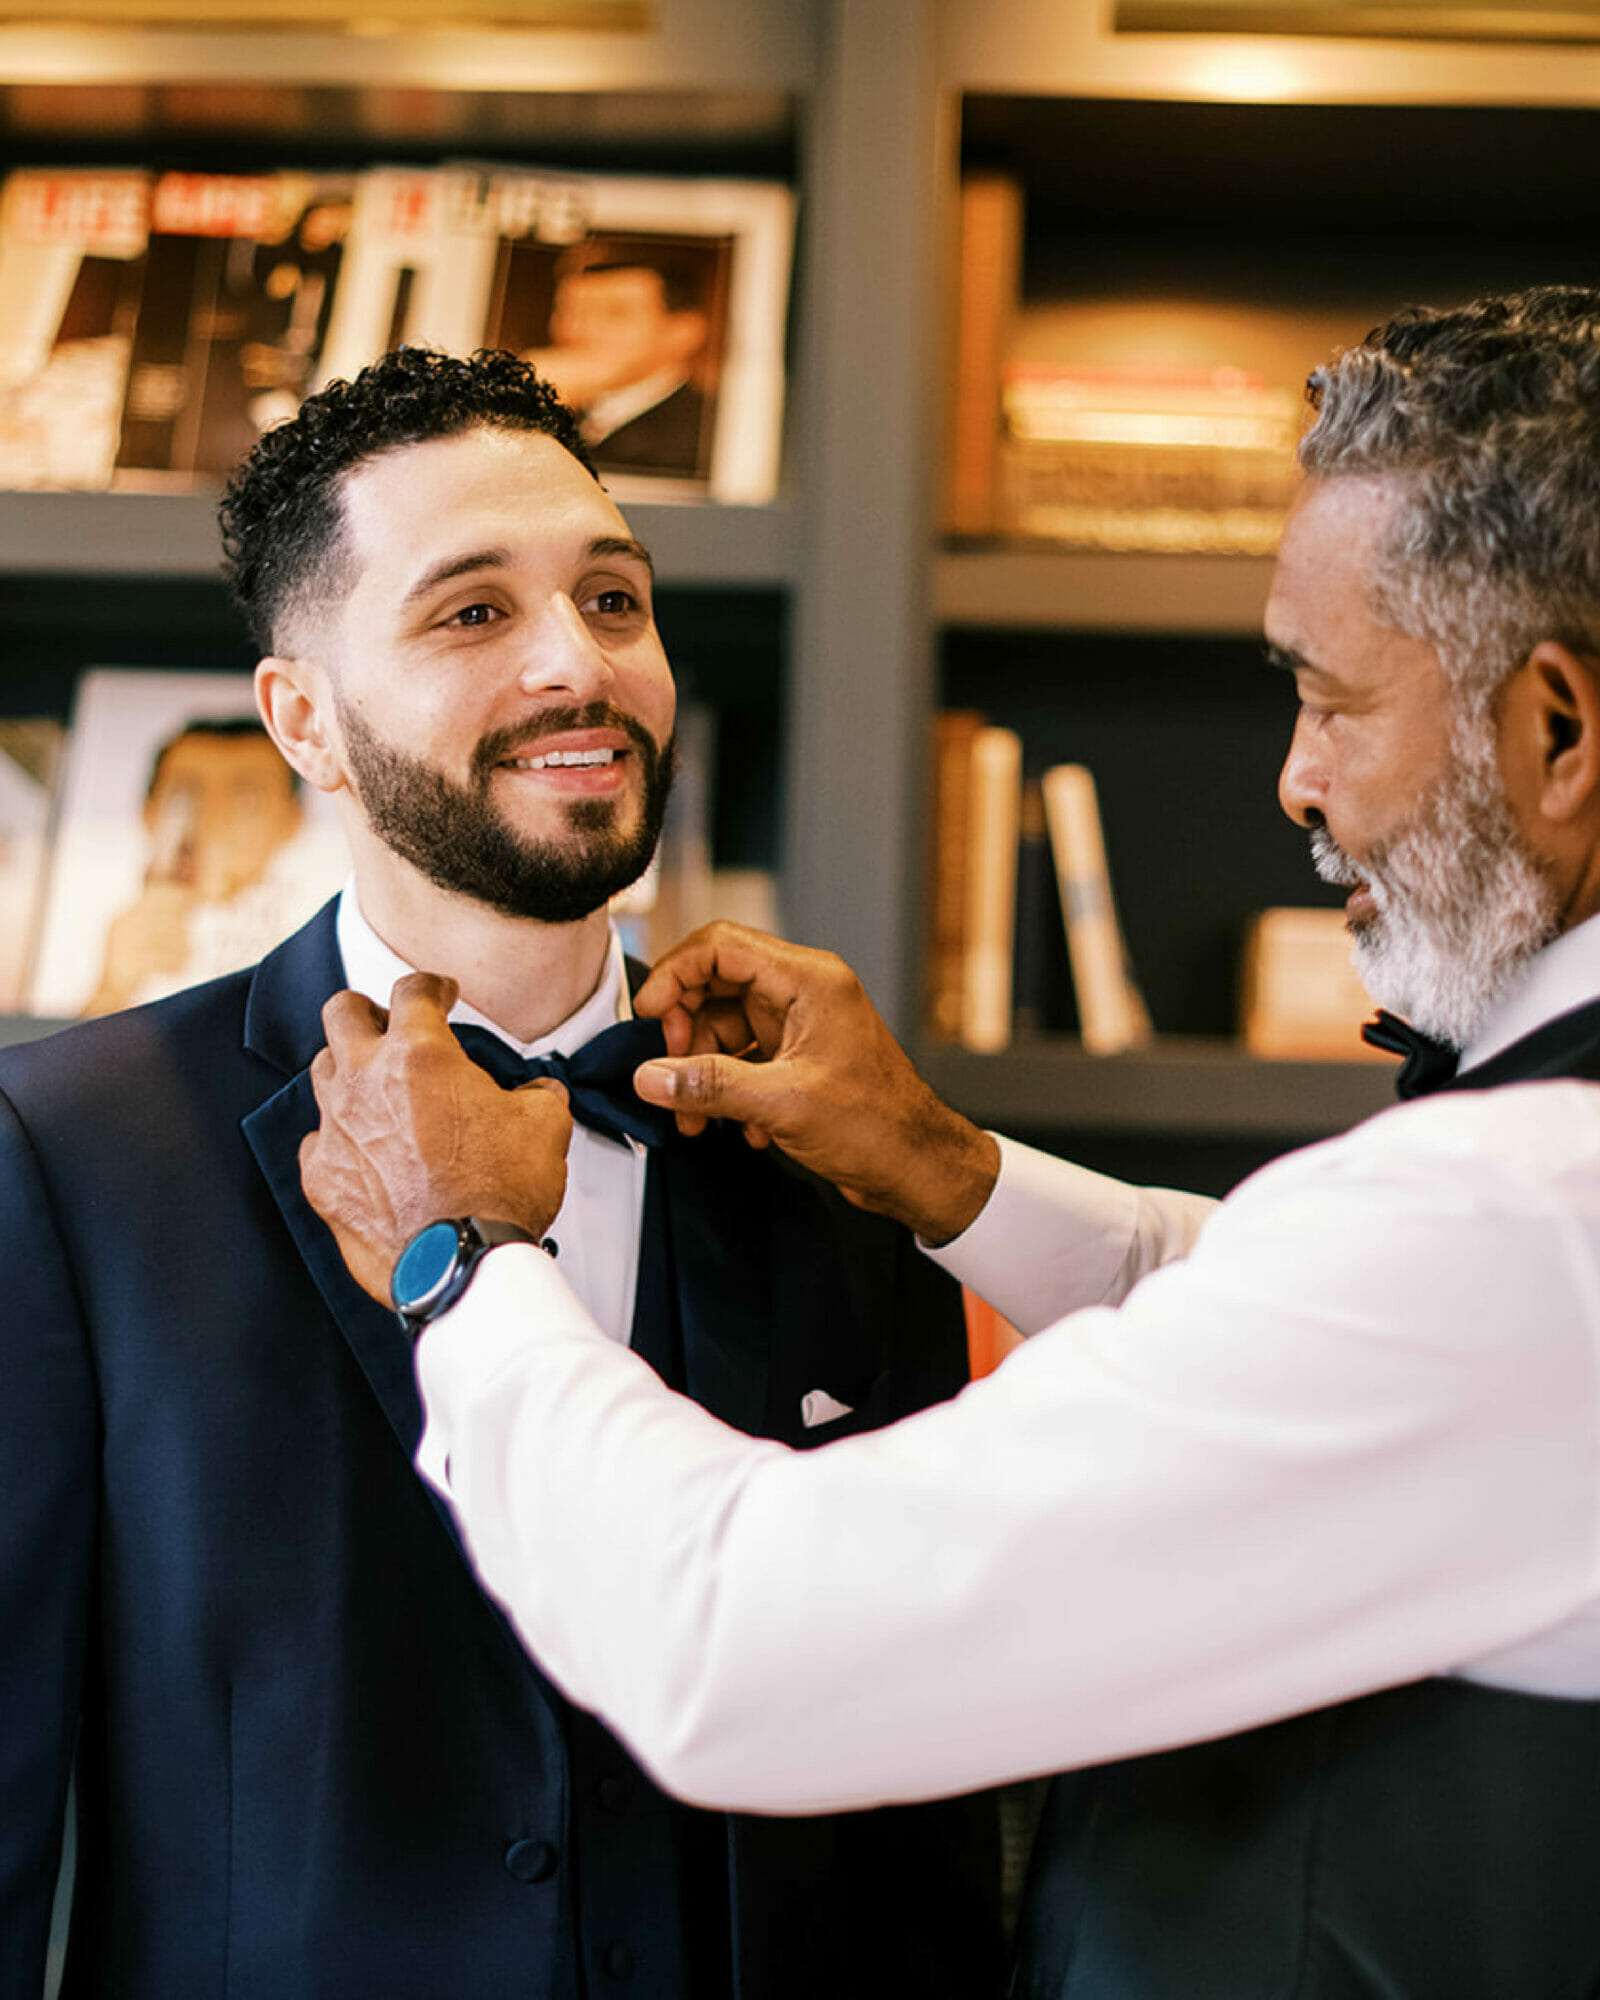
(436, 1266)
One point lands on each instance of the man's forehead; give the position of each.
(505, 488)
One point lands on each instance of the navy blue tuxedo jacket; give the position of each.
(311, 1759)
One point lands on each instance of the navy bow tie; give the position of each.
(1428, 1065)
(598, 1077)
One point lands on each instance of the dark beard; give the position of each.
(454, 836)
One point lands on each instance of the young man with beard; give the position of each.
(1288, 1550)
(311, 1758)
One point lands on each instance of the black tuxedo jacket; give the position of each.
(311, 1759)
(1429, 1842)
(671, 437)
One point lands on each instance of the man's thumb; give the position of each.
(705, 1086)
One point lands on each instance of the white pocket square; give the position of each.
(821, 1408)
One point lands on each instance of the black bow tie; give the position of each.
(1428, 1065)
(598, 1077)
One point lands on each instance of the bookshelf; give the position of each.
(1194, 200)
(841, 600)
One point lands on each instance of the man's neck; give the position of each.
(524, 976)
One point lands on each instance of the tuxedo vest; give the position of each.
(1439, 1841)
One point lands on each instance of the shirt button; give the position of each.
(612, 1794)
(531, 1860)
(550, 1247)
(619, 1961)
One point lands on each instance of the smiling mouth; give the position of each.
(563, 760)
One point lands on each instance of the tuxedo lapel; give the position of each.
(283, 1025)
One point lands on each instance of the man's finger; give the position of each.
(351, 1021)
(419, 1004)
(719, 958)
(719, 1086)
(552, 1086)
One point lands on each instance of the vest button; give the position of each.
(612, 1793)
(531, 1860)
(619, 1961)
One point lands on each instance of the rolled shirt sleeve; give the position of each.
(1347, 1441)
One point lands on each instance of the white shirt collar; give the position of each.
(609, 412)
(1566, 974)
(370, 967)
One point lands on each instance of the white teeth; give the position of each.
(555, 759)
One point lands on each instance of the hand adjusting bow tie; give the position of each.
(598, 1077)
(1428, 1065)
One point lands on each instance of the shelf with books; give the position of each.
(1177, 259)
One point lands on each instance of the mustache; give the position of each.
(511, 741)
(1331, 862)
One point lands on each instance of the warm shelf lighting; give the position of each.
(1434, 20)
(342, 16)
(1245, 75)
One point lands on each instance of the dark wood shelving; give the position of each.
(1196, 1087)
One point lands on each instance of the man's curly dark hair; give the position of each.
(284, 537)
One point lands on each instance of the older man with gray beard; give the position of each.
(1281, 1535)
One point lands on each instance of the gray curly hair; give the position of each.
(1488, 418)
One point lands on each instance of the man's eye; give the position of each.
(473, 614)
(613, 603)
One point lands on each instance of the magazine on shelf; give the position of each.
(657, 307)
(71, 249)
(184, 846)
(30, 757)
(238, 278)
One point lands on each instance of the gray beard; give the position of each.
(1461, 903)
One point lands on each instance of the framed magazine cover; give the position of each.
(658, 307)
(184, 846)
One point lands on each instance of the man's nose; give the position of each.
(563, 656)
(1302, 782)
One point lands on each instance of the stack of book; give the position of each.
(990, 834)
(1141, 458)
(1045, 441)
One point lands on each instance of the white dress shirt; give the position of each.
(1350, 1439)
(596, 1233)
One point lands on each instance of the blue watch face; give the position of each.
(425, 1263)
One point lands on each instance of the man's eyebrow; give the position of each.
(622, 545)
(453, 566)
(499, 558)
(1284, 658)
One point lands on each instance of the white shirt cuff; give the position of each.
(1054, 1237)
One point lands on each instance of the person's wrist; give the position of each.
(960, 1167)
(436, 1265)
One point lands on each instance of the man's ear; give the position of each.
(1550, 733)
(296, 708)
